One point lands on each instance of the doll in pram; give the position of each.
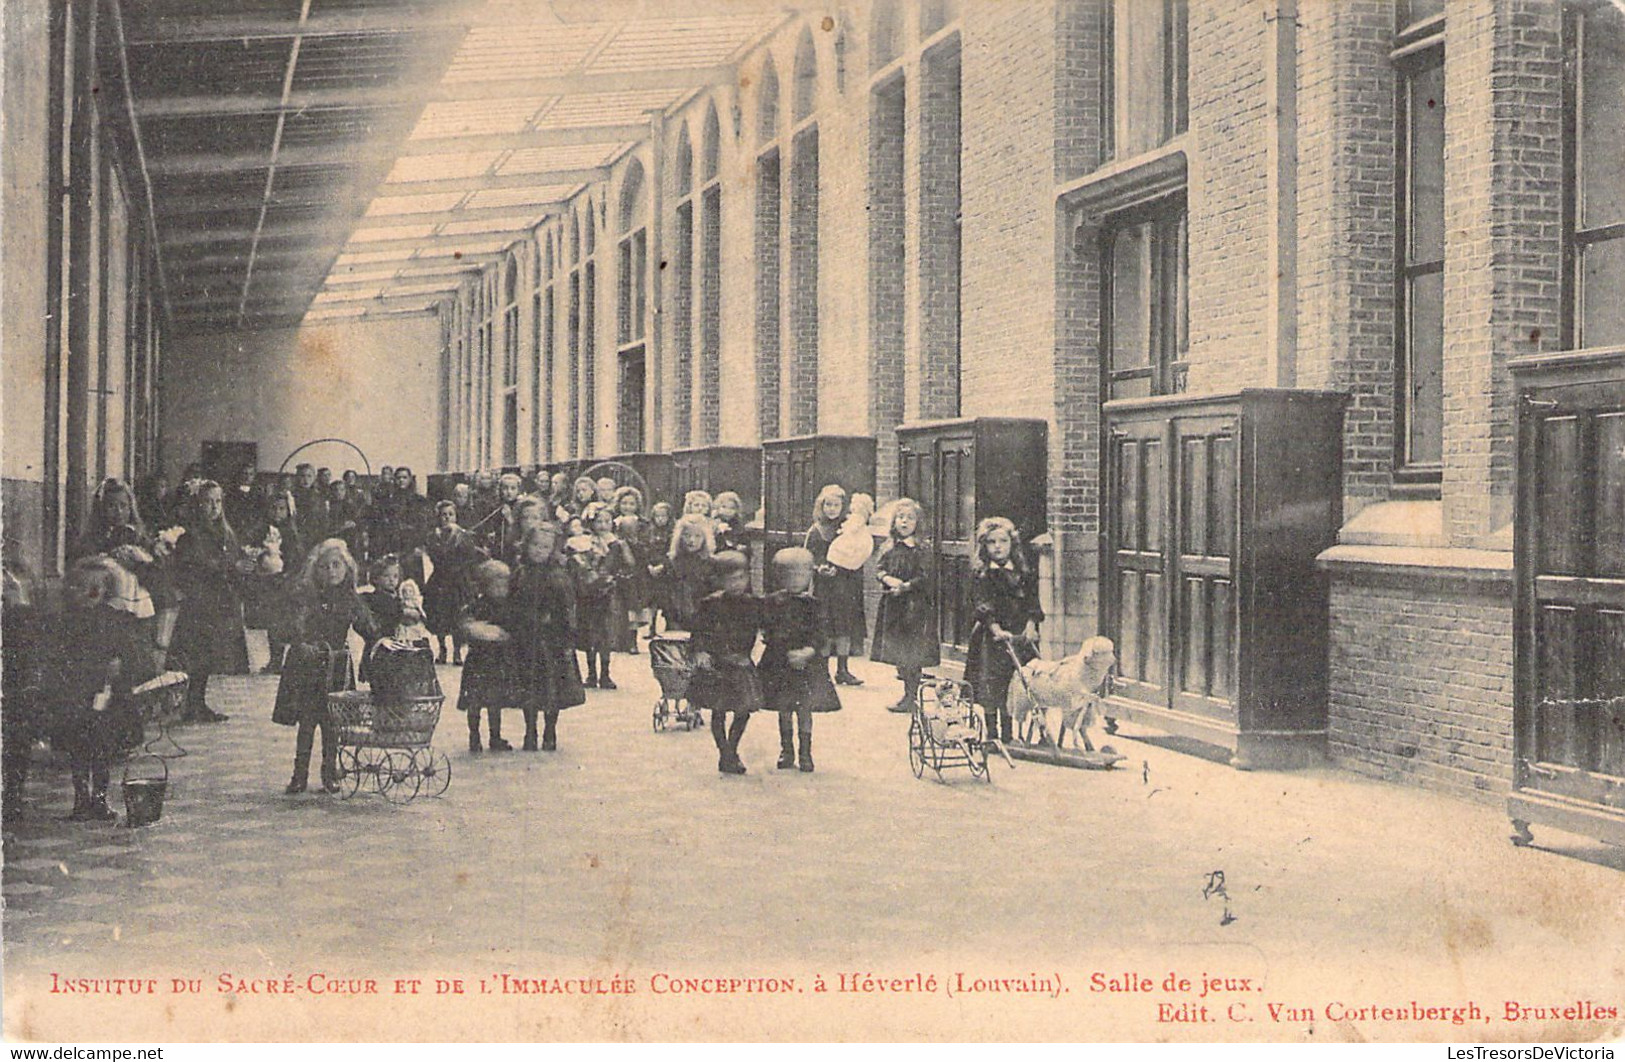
(946, 731)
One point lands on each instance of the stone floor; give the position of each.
(626, 854)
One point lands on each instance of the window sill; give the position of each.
(1406, 540)
(1126, 182)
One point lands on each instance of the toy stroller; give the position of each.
(672, 667)
(946, 731)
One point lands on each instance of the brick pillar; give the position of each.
(1503, 223)
(711, 315)
(768, 240)
(804, 282)
(887, 275)
(1346, 230)
(939, 259)
(682, 325)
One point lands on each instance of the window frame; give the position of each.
(1174, 91)
(1419, 48)
(1167, 215)
(1576, 239)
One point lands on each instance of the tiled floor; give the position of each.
(626, 850)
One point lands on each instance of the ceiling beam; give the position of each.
(495, 181)
(204, 237)
(399, 302)
(441, 242)
(405, 261)
(347, 153)
(520, 217)
(678, 79)
(449, 276)
(200, 29)
(443, 217)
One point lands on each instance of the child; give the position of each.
(697, 503)
(454, 551)
(1004, 596)
(209, 565)
(586, 492)
(93, 659)
(795, 678)
(21, 634)
(603, 565)
(605, 488)
(493, 678)
(396, 605)
(327, 609)
(726, 521)
(838, 589)
(634, 530)
(725, 679)
(685, 578)
(905, 625)
(545, 604)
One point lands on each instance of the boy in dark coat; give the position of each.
(725, 678)
(795, 676)
(545, 607)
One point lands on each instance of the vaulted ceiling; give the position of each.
(341, 158)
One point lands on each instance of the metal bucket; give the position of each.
(144, 796)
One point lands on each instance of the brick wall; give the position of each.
(710, 315)
(1503, 213)
(1421, 684)
(1230, 222)
(939, 256)
(803, 323)
(682, 324)
(1346, 233)
(887, 273)
(768, 283)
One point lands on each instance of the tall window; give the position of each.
(543, 320)
(633, 307)
(573, 336)
(682, 299)
(803, 317)
(510, 361)
(1595, 192)
(1146, 326)
(711, 281)
(589, 331)
(1420, 360)
(1144, 94)
(939, 229)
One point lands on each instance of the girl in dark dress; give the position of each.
(383, 602)
(727, 522)
(545, 605)
(454, 552)
(905, 625)
(208, 566)
(273, 590)
(493, 674)
(603, 566)
(634, 529)
(725, 680)
(94, 657)
(840, 591)
(327, 609)
(1004, 592)
(686, 576)
(795, 677)
(116, 531)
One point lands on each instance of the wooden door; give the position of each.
(1137, 547)
(1571, 719)
(776, 489)
(1202, 624)
(955, 530)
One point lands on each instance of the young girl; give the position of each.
(602, 569)
(493, 673)
(94, 657)
(635, 531)
(454, 552)
(795, 678)
(208, 566)
(685, 577)
(725, 679)
(545, 602)
(585, 493)
(905, 625)
(839, 590)
(327, 609)
(606, 489)
(697, 503)
(396, 605)
(1004, 594)
(727, 521)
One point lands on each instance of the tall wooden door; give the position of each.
(1203, 586)
(1571, 715)
(1137, 538)
(939, 472)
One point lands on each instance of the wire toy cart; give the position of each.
(385, 747)
(945, 731)
(670, 661)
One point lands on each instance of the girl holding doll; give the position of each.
(603, 566)
(838, 589)
(635, 530)
(905, 627)
(327, 608)
(493, 673)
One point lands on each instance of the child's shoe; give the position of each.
(474, 742)
(606, 683)
(295, 787)
(100, 812)
(787, 759)
(590, 682)
(498, 745)
(844, 677)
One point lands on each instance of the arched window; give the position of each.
(633, 307)
(806, 79)
(767, 109)
(685, 162)
(710, 281)
(682, 291)
(510, 359)
(885, 34)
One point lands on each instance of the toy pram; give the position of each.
(385, 747)
(946, 731)
(672, 667)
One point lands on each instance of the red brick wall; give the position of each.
(804, 225)
(767, 280)
(887, 273)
